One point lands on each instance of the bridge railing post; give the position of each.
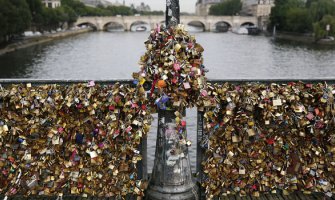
(171, 176)
(172, 15)
(200, 151)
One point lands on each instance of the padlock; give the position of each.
(241, 170)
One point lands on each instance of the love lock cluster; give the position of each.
(172, 72)
(269, 137)
(80, 139)
(172, 69)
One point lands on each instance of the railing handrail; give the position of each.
(108, 81)
(62, 81)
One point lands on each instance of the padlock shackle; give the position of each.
(172, 14)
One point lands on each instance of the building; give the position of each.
(51, 3)
(257, 8)
(143, 8)
(202, 6)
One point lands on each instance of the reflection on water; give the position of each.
(194, 29)
(140, 27)
(20, 63)
(114, 27)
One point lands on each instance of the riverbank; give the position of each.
(302, 38)
(35, 40)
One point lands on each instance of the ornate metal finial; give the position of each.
(172, 13)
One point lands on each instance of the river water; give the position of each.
(104, 55)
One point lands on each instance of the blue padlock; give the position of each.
(79, 138)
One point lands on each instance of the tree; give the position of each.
(78, 7)
(61, 16)
(279, 13)
(229, 7)
(4, 26)
(309, 2)
(120, 10)
(35, 6)
(298, 20)
(20, 17)
(320, 27)
(155, 12)
(53, 18)
(47, 19)
(4, 6)
(16, 17)
(72, 16)
(36, 10)
(301, 17)
(319, 9)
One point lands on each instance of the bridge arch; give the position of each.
(113, 26)
(151, 21)
(248, 24)
(139, 26)
(93, 26)
(222, 26)
(196, 25)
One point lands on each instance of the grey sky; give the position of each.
(185, 5)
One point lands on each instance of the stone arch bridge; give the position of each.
(208, 23)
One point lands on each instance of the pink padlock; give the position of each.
(176, 66)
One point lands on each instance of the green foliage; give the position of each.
(298, 20)
(35, 6)
(302, 16)
(47, 18)
(71, 15)
(36, 9)
(149, 12)
(320, 27)
(15, 17)
(228, 7)
(21, 16)
(76, 5)
(319, 9)
(3, 25)
(120, 10)
(81, 10)
(50, 19)
(309, 2)
(279, 13)
(158, 12)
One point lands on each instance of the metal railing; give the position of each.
(142, 165)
